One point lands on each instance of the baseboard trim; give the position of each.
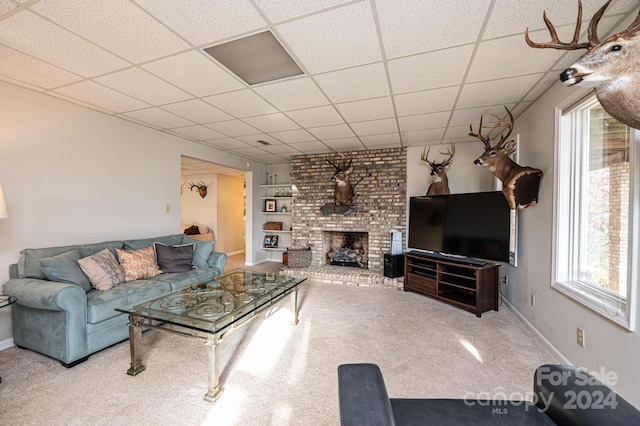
(6, 344)
(538, 335)
(233, 253)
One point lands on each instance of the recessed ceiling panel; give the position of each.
(255, 59)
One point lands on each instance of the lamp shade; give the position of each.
(3, 205)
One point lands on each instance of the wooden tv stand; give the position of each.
(472, 287)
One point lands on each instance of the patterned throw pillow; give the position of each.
(139, 263)
(102, 269)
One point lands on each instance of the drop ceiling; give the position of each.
(377, 73)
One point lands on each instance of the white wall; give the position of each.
(231, 227)
(72, 175)
(556, 316)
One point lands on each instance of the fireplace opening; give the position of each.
(347, 248)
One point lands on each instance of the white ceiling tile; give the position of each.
(353, 84)
(410, 27)
(339, 38)
(375, 127)
(233, 128)
(542, 86)
(35, 36)
(296, 93)
(252, 150)
(281, 149)
(272, 123)
(280, 11)
(465, 117)
(457, 132)
(33, 71)
(293, 136)
(252, 140)
(497, 92)
(206, 21)
(426, 102)
(194, 73)
(383, 139)
(197, 111)
(370, 109)
(100, 96)
(311, 147)
(227, 143)
(331, 132)
(117, 25)
(315, 117)
(420, 137)
(198, 132)
(514, 16)
(430, 70)
(241, 104)
(6, 5)
(270, 158)
(344, 144)
(424, 121)
(521, 59)
(159, 118)
(144, 86)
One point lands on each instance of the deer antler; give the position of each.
(450, 152)
(555, 43)
(425, 156)
(344, 165)
(484, 140)
(501, 123)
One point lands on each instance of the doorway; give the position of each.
(217, 212)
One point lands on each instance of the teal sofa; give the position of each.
(69, 323)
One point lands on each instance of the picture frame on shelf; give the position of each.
(270, 241)
(269, 205)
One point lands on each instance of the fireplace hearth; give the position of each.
(347, 248)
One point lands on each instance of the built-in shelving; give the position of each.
(274, 193)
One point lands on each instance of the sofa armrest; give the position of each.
(363, 396)
(48, 295)
(571, 396)
(217, 260)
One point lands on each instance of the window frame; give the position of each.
(570, 157)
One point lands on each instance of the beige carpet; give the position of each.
(276, 374)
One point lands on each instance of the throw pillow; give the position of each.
(201, 252)
(174, 258)
(139, 263)
(64, 268)
(192, 230)
(103, 270)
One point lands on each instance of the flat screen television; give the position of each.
(477, 225)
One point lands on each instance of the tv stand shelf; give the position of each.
(472, 287)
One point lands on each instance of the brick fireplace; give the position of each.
(380, 202)
(346, 248)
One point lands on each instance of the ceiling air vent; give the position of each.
(258, 58)
(263, 142)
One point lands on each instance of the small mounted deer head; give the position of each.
(610, 66)
(440, 183)
(201, 187)
(519, 184)
(343, 192)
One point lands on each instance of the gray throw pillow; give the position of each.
(201, 252)
(174, 258)
(64, 268)
(103, 270)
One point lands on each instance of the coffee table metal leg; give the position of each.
(294, 306)
(135, 340)
(213, 365)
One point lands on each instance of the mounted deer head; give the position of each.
(201, 187)
(519, 184)
(343, 192)
(611, 66)
(440, 183)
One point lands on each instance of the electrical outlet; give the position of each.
(506, 280)
(167, 208)
(533, 299)
(580, 336)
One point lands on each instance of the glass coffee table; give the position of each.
(209, 311)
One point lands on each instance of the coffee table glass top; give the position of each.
(7, 300)
(214, 306)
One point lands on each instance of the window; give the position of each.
(596, 227)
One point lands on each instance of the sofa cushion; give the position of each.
(29, 262)
(102, 269)
(170, 240)
(180, 280)
(64, 268)
(174, 258)
(201, 251)
(138, 264)
(101, 305)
